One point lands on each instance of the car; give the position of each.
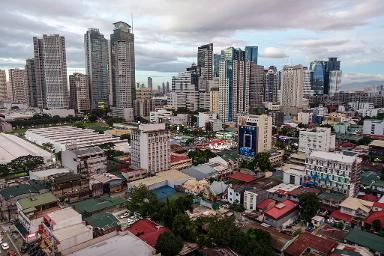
(5, 246)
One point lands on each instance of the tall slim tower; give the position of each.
(3, 86)
(204, 61)
(334, 82)
(251, 53)
(123, 70)
(79, 85)
(271, 84)
(97, 67)
(256, 78)
(332, 65)
(216, 64)
(51, 72)
(18, 85)
(150, 85)
(292, 88)
(31, 82)
(318, 70)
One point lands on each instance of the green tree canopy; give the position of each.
(376, 225)
(183, 227)
(308, 206)
(168, 244)
(262, 161)
(142, 200)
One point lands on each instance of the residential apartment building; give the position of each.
(97, 68)
(334, 82)
(70, 187)
(214, 100)
(292, 88)
(252, 197)
(204, 61)
(160, 116)
(123, 70)
(143, 102)
(272, 84)
(151, 148)
(339, 172)
(256, 79)
(185, 93)
(150, 84)
(31, 82)
(87, 161)
(373, 127)
(3, 86)
(320, 139)
(79, 93)
(51, 72)
(19, 86)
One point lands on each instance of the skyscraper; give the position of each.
(255, 77)
(79, 92)
(216, 64)
(51, 72)
(167, 87)
(185, 93)
(31, 82)
(97, 67)
(204, 61)
(251, 53)
(332, 65)
(271, 84)
(307, 84)
(233, 87)
(334, 82)
(292, 88)
(318, 70)
(123, 70)
(150, 85)
(18, 85)
(3, 86)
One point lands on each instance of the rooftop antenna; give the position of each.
(132, 21)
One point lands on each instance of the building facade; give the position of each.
(123, 70)
(151, 148)
(87, 161)
(214, 100)
(31, 82)
(185, 93)
(143, 102)
(51, 72)
(334, 82)
(271, 84)
(204, 61)
(97, 68)
(292, 88)
(319, 140)
(19, 86)
(79, 92)
(256, 78)
(3, 86)
(373, 127)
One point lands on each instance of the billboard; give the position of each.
(247, 140)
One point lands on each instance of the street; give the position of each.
(14, 240)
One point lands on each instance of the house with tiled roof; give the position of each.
(281, 214)
(374, 216)
(147, 230)
(309, 244)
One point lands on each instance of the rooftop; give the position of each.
(283, 188)
(200, 171)
(242, 177)
(176, 158)
(29, 205)
(103, 221)
(147, 230)
(266, 204)
(172, 175)
(12, 147)
(357, 204)
(119, 245)
(40, 175)
(281, 209)
(338, 157)
(375, 216)
(377, 143)
(307, 240)
(94, 205)
(22, 189)
(229, 155)
(369, 240)
(335, 197)
(338, 215)
(88, 151)
(71, 231)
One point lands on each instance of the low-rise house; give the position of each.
(309, 244)
(196, 187)
(30, 213)
(63, 230)
(356, 207)
(231, 157)
(293, 174)
(373, 242)
(265, 205)
(131, 174)
(317, 221)
(88, 160)
(180, 161)
(45, 174)
(235, 194)
(242, 177)
(95, 205)
(70, 187)
(276, 157)
(376, 149)
(111, 183)
(252, 197)
(373, 216)
(103, 223)
(294, 194)
(280, 192)
(282, 214)
(218, 188)
(331, 200)
(148, 231)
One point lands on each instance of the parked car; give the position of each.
(5, 246)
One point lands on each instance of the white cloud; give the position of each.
(272, 52)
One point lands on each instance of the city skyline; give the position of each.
(166, 44)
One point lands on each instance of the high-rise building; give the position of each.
(97, 67)
(308, 92)
(256, 135)
(123, 70)
(251, 53)
(51, 72)
(318, 70)
(255, 77)
(204, 62)
(332, 65)
(167, 87)
(214, 100)
(216, 64)
(150, 85)
(31, 82)
(151, 148)
(319, 140)
(271, 84)
(18, 85)
(233, 85)
(334, 81)
(143, 102)
(185, 93)
(79, 92)
(3, 86)
(292, 88)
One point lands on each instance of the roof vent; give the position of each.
(280, 206)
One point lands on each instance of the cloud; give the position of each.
(356, 81)
(272, 52)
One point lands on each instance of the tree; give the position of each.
(364, 141)
(168, 244)
(376, 225)
(183, 227)
(142, 200)
(308, 206)
(48, 146)
(200, 156)
(208, 127)
(262, 161)
(4, 170)
(126, 136)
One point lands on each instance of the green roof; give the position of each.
(91, 206)
(29, 205)
(229, 155)
(14, 191)
(367, 177)
(379, 183)
(336, 197)
(369, 240)
(103, 221)
(67, 177)
(345, 252)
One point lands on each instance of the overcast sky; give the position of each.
(167, 32)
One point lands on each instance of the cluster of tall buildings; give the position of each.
(109, 80)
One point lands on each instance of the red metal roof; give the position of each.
(369, 197)
(281, 209)
(375, 216)
(242, 177)
(307, 240)
(378, 205)
(266, 204)
(338, 215)
(147, 230)
(177, 158)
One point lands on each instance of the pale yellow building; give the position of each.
(3, 86)
(214, 100)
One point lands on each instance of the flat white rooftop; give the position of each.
(12, 147)
(329, 156)
(283, 187)
(40, 175)
(119, 245)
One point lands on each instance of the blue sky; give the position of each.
(168, 32)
